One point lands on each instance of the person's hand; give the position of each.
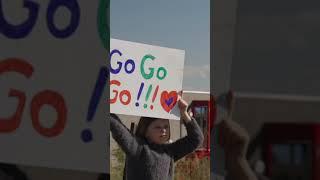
(183, 105)
(233, 138)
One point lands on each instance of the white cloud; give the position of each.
(197, 71)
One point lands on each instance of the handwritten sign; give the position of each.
(145, 79)
(52, 75)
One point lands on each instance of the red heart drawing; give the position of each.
(168, 100)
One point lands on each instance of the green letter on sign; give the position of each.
(164, 73)
(146, 76)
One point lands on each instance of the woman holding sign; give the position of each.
(149, 154)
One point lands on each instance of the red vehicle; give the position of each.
(292, 151)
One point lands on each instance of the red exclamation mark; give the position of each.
(154, 96)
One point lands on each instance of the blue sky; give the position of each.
(180, 24)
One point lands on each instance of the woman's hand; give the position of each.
(233, 138)
(183, 105)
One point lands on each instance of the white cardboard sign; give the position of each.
(52, 57)
(145, 79)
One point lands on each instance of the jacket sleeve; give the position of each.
(189, 143)
(122, 135)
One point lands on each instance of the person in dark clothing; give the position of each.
(11, 172)
(149, 156)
